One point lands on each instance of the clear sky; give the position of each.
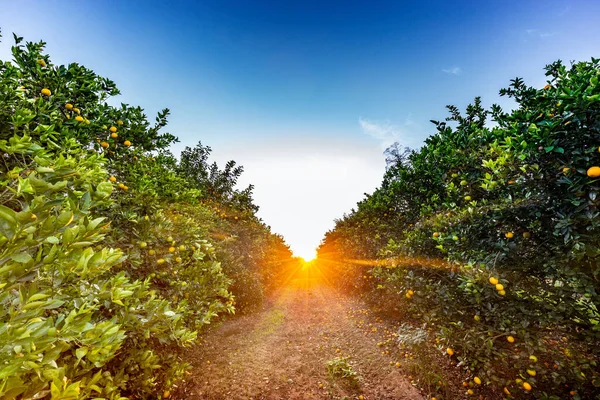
(307, 94)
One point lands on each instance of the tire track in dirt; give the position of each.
(281, 352)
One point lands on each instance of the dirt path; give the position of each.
(282, 351)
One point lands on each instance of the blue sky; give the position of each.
(307, 94)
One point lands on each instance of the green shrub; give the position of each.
(512, 203)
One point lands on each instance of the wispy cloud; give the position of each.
(453, 70)
(385, 132)
(538, 33)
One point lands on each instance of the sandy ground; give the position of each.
(281, 352)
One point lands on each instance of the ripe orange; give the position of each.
(532, 372)
(526, 386)
(69, 106)
(112, 179)
(151, 252)
(593, 172)
(361, 397)
(477, 380)
(501, 292)
(76, 110)
(499, 287)
(171, 249)
(127, 143)
(114, 135)
(41, 63)
(506, 391)
(546, 87)
(397, 364)
(465, 384)
(113, 129)
(119, 122)
(493, 281)
(511, 182)
(104, 144)
(46, 92)
(566, 170)
(510, 339)
(468, 198)
(166, 394)
(436, 234)
(470, 392)
(178, 259)
(509, 235)
(79, 118)
(450, 351)
(477, 318)
(160, 261)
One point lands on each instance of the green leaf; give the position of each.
(22, 258)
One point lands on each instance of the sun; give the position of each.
(307, 255)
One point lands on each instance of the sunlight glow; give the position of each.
(307, 256)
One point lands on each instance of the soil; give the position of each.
(281, 351)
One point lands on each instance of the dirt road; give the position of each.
(282, 351)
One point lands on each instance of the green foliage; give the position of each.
(513, 201)
(340, 368)
(112, 257)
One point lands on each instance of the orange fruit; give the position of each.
(127, 143)
(119, 122)
(593, 172)
(509, 235)
(506, 391)
(79, 118)
(151, 252)
(104, 144)
(112, 179)
(532, 372)
(501, 292)
(171, 249)
(566, 170)
(546, 87)
(69, 106)
(178, 259)
(526, 386)
(76, 110)
(450, 351)
(41, 63)
(499, 287)
(493, 281)
(166, 394)
(436, 234)
(46, 92)
(470, 392)
(510, 339)
(526, 235)
(160, 261)
(468, 198)
(113, 129)
(114, 135)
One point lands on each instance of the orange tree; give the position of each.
(108, 263)
(510, 211)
